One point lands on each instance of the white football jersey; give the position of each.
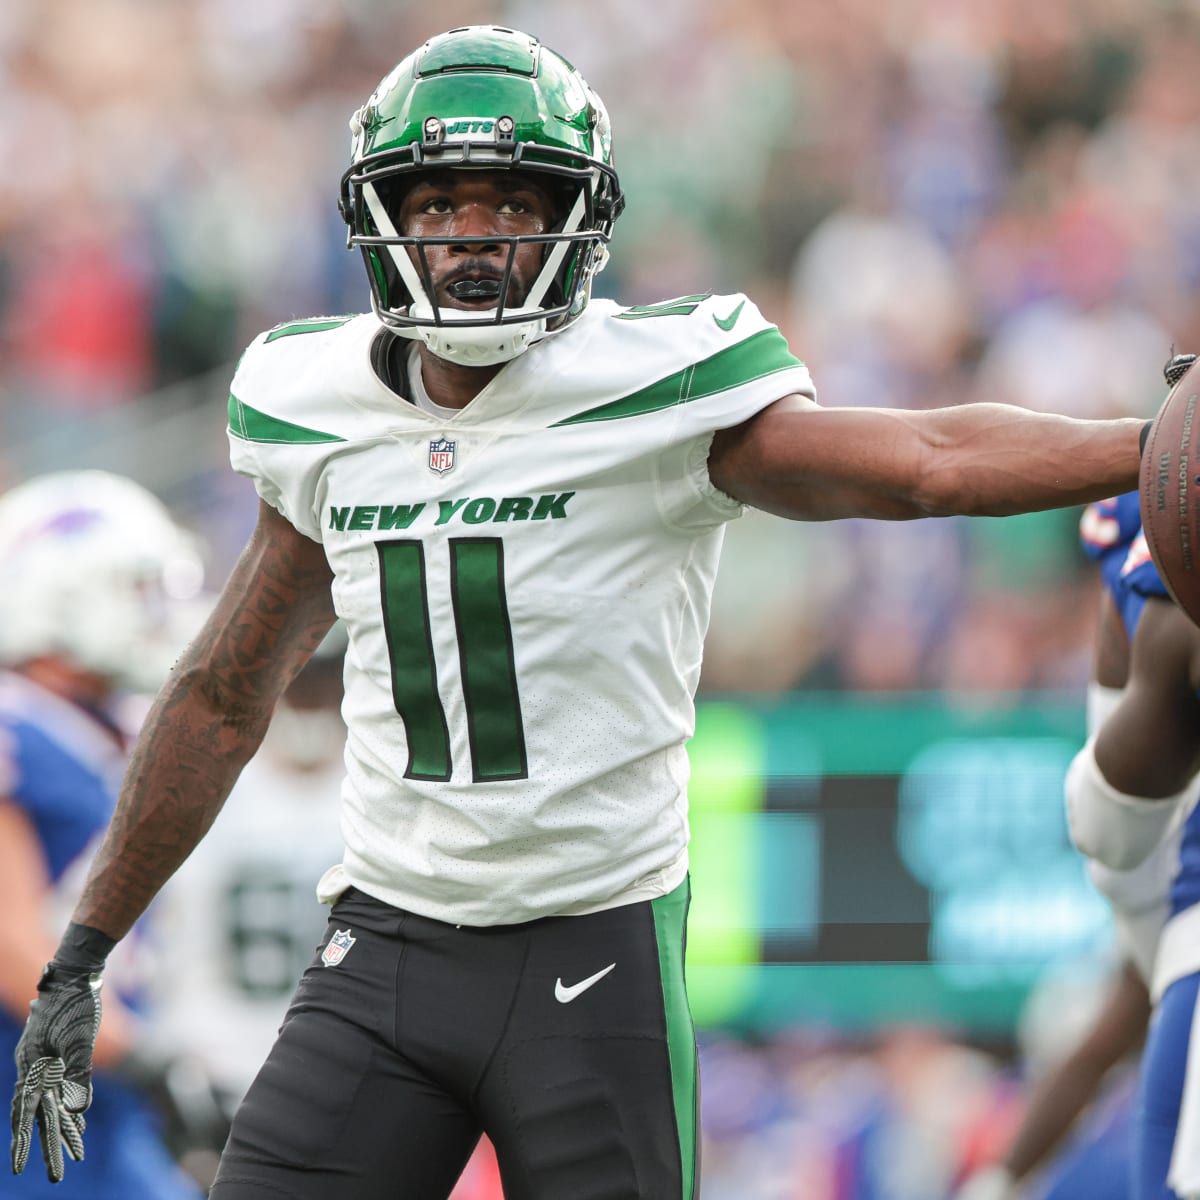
(239, 923)
(525, 583)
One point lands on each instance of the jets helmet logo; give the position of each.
(338, 948)
(441, 455)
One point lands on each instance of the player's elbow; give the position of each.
(1114, 829)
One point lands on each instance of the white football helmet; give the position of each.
(93, 569)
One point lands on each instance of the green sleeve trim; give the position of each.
(294, 327)
(684, 306)
(765, 353)
(253, 426)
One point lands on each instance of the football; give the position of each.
(1169, 488)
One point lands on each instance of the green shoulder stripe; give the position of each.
(294, 327)
(766, 353)
(253, 426)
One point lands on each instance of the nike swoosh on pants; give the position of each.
(564, 995)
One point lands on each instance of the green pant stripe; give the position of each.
(670, 929)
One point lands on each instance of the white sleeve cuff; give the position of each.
(1115, 829)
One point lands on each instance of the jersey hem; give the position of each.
(338, 880)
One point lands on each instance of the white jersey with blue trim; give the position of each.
(526, 585)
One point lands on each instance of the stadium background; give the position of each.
(938, 201)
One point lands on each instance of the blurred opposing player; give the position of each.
(1094, 1164)
(1112, 533)
(93, 579)
(1132, 807)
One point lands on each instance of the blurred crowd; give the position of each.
(908, 1114)
(899, 1117)
(937, 200)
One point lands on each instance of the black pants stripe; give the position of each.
(566, 1040)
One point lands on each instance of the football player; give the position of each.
(1132, 796)
(93, 577)
(1096, 1162)
(514, 496)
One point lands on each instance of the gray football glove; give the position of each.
(54, 1068)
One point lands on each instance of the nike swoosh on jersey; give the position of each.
(564, 995)
(727, 323)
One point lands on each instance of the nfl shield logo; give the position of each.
(441, 455)
(338, 948)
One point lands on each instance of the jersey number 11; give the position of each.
(485, 657)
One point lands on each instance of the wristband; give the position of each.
(82, 951)
(1143, 436)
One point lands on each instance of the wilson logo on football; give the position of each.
(338, 948)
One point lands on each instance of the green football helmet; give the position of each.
(482, 98)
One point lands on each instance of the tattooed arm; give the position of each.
(209, 719)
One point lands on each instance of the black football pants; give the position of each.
(567, 1040)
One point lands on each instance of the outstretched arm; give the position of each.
(808, 463)
(209, 719)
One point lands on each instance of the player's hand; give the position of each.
(54, 1068)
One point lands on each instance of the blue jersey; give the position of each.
(61, 767)
(1106, 530)
(1110, 531)
(1137, 581)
